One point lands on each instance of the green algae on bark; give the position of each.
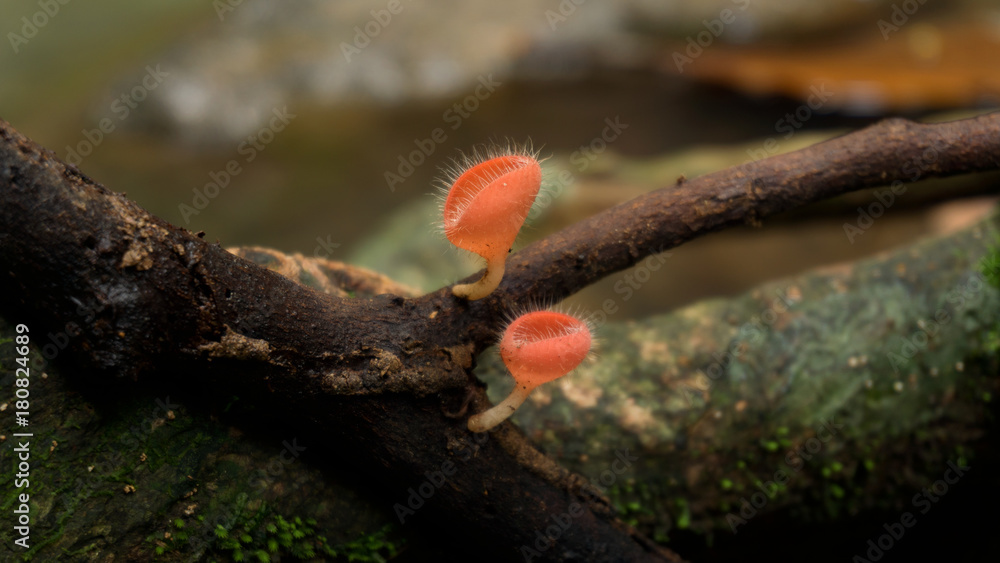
(854, 385)
(151, 476)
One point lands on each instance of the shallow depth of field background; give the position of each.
(698, 86)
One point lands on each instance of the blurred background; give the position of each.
(320, 127)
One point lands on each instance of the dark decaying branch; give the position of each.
(384, 376)
(611, 241)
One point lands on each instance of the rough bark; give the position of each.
(899, 351)
(889, 151)
(388, 377)
(380, 376)
(650, 398)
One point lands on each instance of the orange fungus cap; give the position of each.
(544, 345)
(489, 202)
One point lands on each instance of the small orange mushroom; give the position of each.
(484, 210)
(537, 347)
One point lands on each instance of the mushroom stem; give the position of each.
(488, 419)
(486, 284)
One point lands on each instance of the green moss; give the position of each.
(101, 449)
(371, 547)
(684, 514)
(991, 343)
(259, 534)
(990, 268)
(80, 552)
(990, 265)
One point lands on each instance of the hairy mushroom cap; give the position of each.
(537, 347)
(544, 345)
(485, 208)
(489, 202)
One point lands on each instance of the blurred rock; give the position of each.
(887, 68)
(228, 75)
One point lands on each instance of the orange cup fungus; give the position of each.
(537, 347)
(484, 210)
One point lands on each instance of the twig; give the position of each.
(147, 298)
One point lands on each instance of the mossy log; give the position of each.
(160, 473)
(684, 417)
(856, 384)
(369, 379)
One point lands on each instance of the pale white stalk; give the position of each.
(485, 285)
(488, 419)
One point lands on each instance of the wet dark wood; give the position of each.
(385, 376)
